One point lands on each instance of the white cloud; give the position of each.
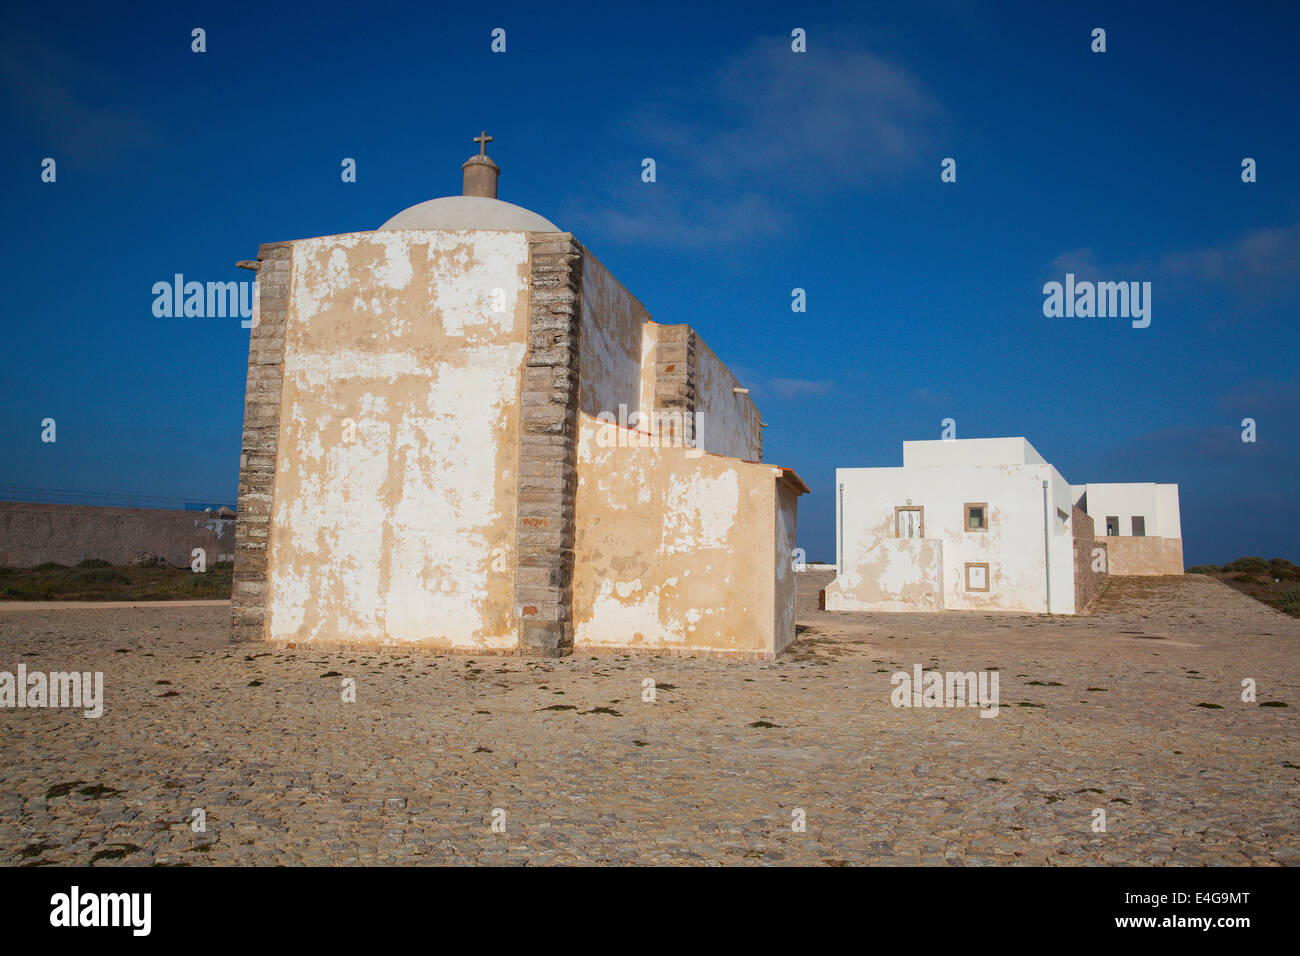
(734, 147)
(1258, 265)
(798, 388)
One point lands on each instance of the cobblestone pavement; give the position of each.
(1135, 710)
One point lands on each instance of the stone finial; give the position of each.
(480, 172)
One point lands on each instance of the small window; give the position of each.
(1112, 525)
(1139, 526)
(977, 577)
(977, 516)
(909, 522)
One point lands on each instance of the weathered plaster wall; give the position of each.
(404, 532)
(32, 533)
(888, 574)
(883, 572)
(730, 423)
(609, 367)
(1129, 556)
(786, 584)
(677, 551)
(627, 359)
(649, 356)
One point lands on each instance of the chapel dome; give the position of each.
(469, 212)
(478, 208)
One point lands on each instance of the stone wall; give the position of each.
(548, 447)
(261, 435)
(1144, 556)
(1087, 582)
(37, 532)
(674, 375)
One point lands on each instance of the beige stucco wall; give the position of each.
(785, 584)
(610, 359)
(677, 551)
(406, 534)
(617, 367)
(649, 348)
(1130, 556)
(730, 423)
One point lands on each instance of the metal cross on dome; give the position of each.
(482, 139)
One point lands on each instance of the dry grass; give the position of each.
(1275, 583)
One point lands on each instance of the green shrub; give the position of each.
(1282, 568)
(51, 566)
(1253, 565)
(1244, 578)
(93, 563)
(89, 578)
(1203, 569)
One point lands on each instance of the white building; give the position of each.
(1141, 522)
(980, 524)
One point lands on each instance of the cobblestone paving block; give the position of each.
(1097, 712)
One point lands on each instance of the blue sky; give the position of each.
(775, 170)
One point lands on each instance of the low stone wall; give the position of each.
(33, 533)
(1136, 557)
(1087, 582)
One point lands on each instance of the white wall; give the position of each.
(879, 572)
(969, 451)
(1158, 504)
(1168, 514)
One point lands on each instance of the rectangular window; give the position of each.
(977, 516)
(1139, 526)
(977, 577)
(909, 522)
(1112, 525)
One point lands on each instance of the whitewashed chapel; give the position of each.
(462, 433)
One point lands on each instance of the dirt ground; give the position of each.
(1135, 711)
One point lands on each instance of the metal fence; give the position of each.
(111, 499)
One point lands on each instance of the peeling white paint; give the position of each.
(701, 511)
(389, 537)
